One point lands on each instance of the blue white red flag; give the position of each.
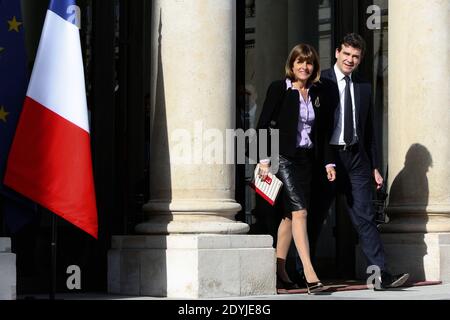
(50, 158)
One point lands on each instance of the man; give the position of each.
(353, 139)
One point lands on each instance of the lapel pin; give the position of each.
(317, 102)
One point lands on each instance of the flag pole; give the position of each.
(53, 258)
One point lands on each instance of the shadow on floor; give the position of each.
(352, 285)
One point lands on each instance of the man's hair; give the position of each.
(353, 40)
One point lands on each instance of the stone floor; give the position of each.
(355, 291)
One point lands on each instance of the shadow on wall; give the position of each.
(408, 201)
(160, 158)
(411, 184)
(155, 221)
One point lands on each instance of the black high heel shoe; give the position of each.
(313, 287)
(288, 285)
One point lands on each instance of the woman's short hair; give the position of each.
(307, 53)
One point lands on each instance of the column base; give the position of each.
(192, 217)
(8, 271)
(191, 225)
(426, 256)
(192, 266)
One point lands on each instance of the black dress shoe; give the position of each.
(392, 281)
(288, 285)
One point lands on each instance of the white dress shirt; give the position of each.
(338, 134)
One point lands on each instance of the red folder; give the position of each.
(268, 188)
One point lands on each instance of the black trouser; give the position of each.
(355, 179)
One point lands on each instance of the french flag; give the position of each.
(50, 158)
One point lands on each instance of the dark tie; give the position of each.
(348, 113)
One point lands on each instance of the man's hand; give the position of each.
(378, 178)
(263, 171)
(331, 173)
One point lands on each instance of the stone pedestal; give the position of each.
(192, 266)
(426, 256)
(7, 270)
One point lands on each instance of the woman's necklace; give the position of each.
(304, 92)
(301, 89)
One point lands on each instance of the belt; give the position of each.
(300, 149)
(351, 147)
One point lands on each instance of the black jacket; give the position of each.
(287, 116)
(363, 109)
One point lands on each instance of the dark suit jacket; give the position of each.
(363, 109)
(287, 120)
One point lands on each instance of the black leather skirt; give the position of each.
(296, 174)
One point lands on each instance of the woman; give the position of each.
(297, 107)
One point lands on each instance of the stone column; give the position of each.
(191, 245)
(193, 104)
(8, 270)
(417, 240)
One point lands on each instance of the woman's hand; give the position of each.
(331, 173)
(264, 170)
